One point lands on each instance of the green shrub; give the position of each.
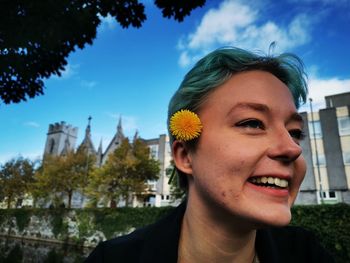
(121, 220)
(331, 225)
(58, 226)
(22, 217)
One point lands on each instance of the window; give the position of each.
(332, 194)
(318, 131)
(344, 125)
(329, 195)
(154, 151)
(346, 157)
(321, 160)
(52, 145)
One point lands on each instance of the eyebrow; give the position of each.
(296, 117)
(250, 105)
(265, 109)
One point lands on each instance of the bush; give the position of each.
(330, 223)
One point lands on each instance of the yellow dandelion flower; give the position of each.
(185, 125)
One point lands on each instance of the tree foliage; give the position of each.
(36, 37)
(63, 174)
(125, 173)
(176, 192)
(15, 176)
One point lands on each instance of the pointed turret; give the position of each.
(99, 155)
(115, 142)
(87, 143)
(99, 151)
(120, 128)
(88, 128)
(136, 136)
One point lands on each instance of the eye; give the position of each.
(251, 123)
(297, 134)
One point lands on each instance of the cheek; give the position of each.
(300, 170)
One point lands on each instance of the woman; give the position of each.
(235, 135)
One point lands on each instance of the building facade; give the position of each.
(326, 149)
(61, 138)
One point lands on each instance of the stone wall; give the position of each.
(65, 227)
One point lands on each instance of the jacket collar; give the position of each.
(162, 240)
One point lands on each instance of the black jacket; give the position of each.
(158, 243)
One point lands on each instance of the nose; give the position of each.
(284, 148)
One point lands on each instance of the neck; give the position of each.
(210, 239)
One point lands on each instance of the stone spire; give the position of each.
(119, 127)
(115, 142)
(87, 143)
(99, 151)
(88, 128)
(119, 135)
(99, 155)
(136, 135)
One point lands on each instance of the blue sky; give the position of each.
(132, 73)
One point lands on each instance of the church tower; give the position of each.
(60, 137)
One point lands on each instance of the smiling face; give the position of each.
(247, 164)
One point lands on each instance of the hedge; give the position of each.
(330, 223)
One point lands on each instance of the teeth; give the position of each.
(277, 181)
(270, 180)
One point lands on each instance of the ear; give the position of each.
(182, 157)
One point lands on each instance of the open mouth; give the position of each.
(270, 182)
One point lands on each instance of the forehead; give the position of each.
(256, 86)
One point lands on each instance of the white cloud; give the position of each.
(319, 88)
(237, 24)
(5, 157)
(184, 59)
(221, 25)
(31, 124)
(88, 84)
(107, 23)
(129, 123)
(69, 71)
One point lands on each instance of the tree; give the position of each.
(15, 176)
(125, 173)
(36, 37)
(176, 192)
(64, 174)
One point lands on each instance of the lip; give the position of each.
(275, 192)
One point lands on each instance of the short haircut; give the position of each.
(220, 65)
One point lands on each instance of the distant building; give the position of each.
(328, 135)
(61, 138)
(160, 150)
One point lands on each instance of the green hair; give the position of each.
(220, 65)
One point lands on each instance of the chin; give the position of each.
(277, 218)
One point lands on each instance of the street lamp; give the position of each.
(316, 151)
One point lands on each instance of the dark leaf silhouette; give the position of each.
(36, 37)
